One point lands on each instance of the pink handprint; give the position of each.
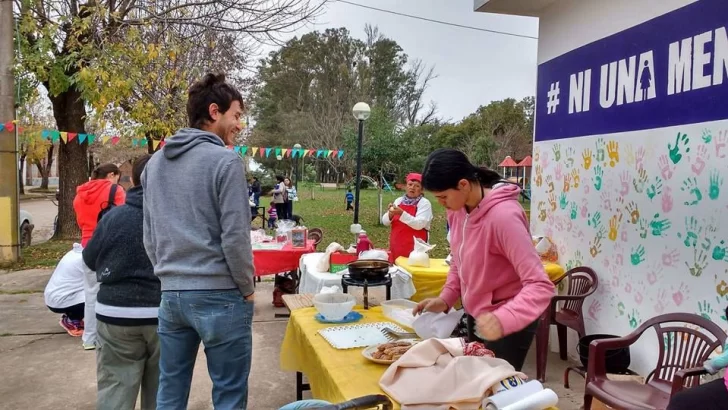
(678, 296)
(720, 143)
(594, 308)
(624, 235)
(569, 225)
(670, 257)
(545, 159)
(666, 169)
(558, 171)
(628, 288)
(605, 262)
(584, 209)
(667, 200)
(638, 298)
(639, 157)
(587, 188)
(660, 302)
(607, 200)
(618, 255)
(625, 179)
(548, 231)
(654, 274)
(699, 164)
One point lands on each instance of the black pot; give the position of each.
(370, 269)
(618, 360)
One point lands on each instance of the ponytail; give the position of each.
(103, 171)
(487, 177)
(446, 167)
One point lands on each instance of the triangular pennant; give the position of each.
(319, 152)
(10, 126)
(334, 154)
(91, 138)
(105, 139)
(278, 152)
(286, 152)
(237, 149)
(55, 136)
(82, 138)
(293, 152)
(143, 142)
(255, 150)
(267, 152)
(64, 136)
(341, 153)
(45, 134)
(155, 144)
(2, 126)
(134, 142)
(162, 143)
(115, 139)
(310, 152)
(243, 150)
(72, 135)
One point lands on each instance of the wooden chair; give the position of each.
(682, 351)
(378, 401)
(581, 282)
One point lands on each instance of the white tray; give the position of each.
(361, 335)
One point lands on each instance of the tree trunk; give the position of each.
(45, 171)
(70, 114)
(21, 180)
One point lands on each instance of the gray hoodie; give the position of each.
(196, 224)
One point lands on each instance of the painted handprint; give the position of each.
(558, 171)
(659, 226)
(570, 152)
(557, 152)
(574, 209)
(595, 246)
(587, 157)
(653, 275)
(629, 155)
(634, 319)
(638, 298)
(643, 228)
(598, 174)
(549, 184)
(613, 152)
(539, 176)
(624, 235)
(614, 223)
(720, 143)
(640, 158)
(660, 301)
(595, 220)
(670, 258)
(700, 262)
(640, 181)
(655, 188)
(620, 308)
(706, 310)
(707, 136)
(563, 202)
(545, 159)
(567, 182)
(692, 230)
(606, 200)
(720, 251)
(722, 288)
(536, 154)
(690, 186)
(575, 177)
(678, 296)
(667, 170)
(638, 255)
(594, 308)
(667, 200)
(584, 207)
(541, 211)
(600, 149)
(674, 150)
(634, 212)
(701, 156)
(716, 182)
(552, 202)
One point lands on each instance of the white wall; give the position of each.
(646, 202)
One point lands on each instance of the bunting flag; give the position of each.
(243, 150)
(64, 137)
(341, 153)
(10, 126)
(45, 134)
(71, 136)
(267, 152)
(319, 152)
(163, 143)
(135, 142)
(2, 126)
(82, 138)
(105, 139)
(254, 150)
(278, 152)
(115, 139)
(144, 142)
(91, 138)
(283, 151)
(155, 144)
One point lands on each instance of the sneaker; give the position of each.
(89, 346)
(70, 326)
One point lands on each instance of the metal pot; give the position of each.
(370, 269)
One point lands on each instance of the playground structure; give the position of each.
(521, 179)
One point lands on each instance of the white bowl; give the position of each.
(334, 306)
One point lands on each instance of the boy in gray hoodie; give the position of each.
(197, 236)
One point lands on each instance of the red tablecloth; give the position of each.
(272, 261)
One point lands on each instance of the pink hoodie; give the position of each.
(495, 267)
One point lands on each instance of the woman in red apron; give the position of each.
(410, 216)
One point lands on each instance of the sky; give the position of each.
(473, 67)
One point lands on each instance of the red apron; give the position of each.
(401, 238)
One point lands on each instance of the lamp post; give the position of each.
(296, 152)
(361, 112)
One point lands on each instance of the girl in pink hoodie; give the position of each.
(495, 269)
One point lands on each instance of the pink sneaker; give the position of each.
(71, 326)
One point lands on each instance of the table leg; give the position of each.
(389, 291)
(301, 386)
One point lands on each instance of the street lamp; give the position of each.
(296, 152)
(361, 112)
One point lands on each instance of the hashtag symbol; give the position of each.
(553, 98)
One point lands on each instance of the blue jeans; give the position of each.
(223, 321)
(305, 404)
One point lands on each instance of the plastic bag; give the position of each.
(438, 325)
(324, 262)
(419, 256)
(374, 254)
(547, 250)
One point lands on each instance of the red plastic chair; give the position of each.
(682, 353)
(581, 282)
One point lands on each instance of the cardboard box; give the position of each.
(339, 260)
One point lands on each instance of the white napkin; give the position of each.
(437, 325)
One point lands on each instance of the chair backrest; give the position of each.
(685, 340)
(582, 281)
(316, 234)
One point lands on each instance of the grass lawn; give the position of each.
(44, 255)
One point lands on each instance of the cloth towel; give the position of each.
(436, 375)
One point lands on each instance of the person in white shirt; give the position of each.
(64, 293)
(410, 216)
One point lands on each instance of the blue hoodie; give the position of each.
(196, 232)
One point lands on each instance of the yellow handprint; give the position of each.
(552, 202)
(634, 212)
(539, 176)
(587, 156)
(629, 155)
(614, 226)
(542, 211)
(536, 155)
(613, 153)
(575, 177)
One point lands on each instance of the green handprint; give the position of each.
(563, 203)
(675, 154)
(693, 229)
(690, 185)
(578, 258)
(598, 174)
(655, 188)
(707, 136)
(659, 226)
(719, 251)
(705, 309)
(574, 210)
(600, 149)
(634, 319)
(557, 152)
(620, 308)
(595, 220)
(638, 255)
(716, 181)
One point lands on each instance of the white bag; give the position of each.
(323, 264)
(419, 256)
(437, 325)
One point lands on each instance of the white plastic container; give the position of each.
(399, 310)
(334, 306)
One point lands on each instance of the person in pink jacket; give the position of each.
(495, 269)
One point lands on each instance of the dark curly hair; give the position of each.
(212, 89)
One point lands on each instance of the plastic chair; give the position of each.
(581, 282)
(682, 351)
(366, 402)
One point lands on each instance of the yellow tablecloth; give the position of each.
(428, 281)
